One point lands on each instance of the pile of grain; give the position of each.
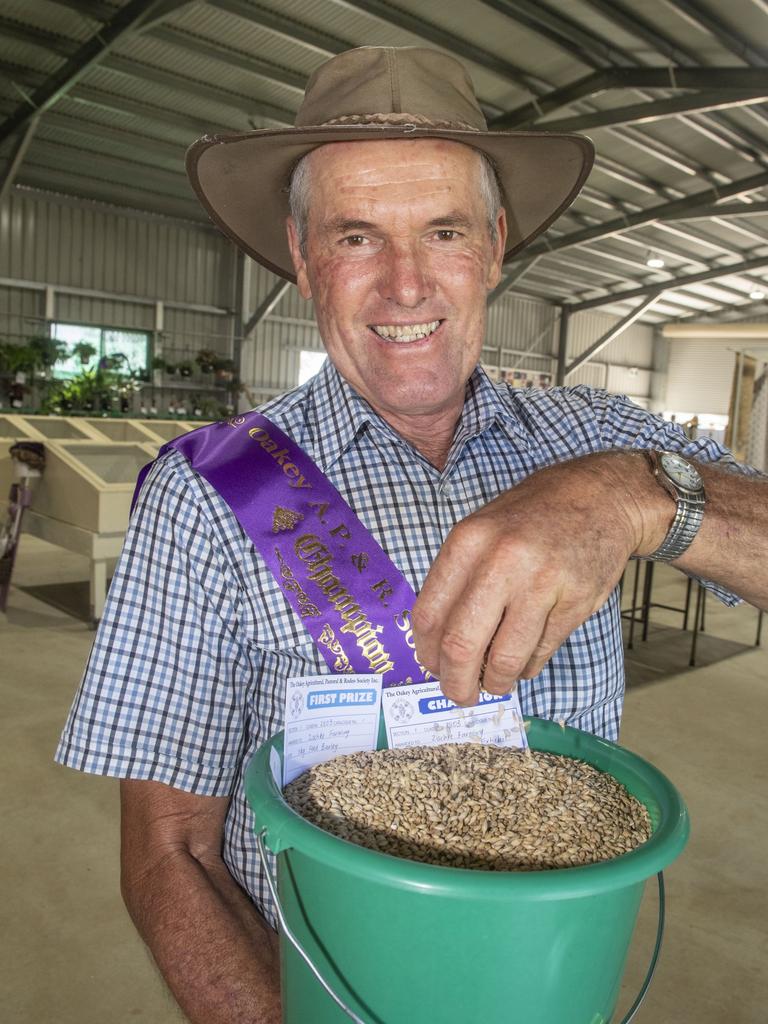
(473, 806)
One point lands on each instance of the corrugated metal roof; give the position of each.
(119, 134)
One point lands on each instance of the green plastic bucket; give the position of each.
(400, 942)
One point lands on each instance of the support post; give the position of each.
(17, 157)
(562, 345)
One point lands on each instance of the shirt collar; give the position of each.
(341, 414)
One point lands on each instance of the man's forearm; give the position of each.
(215, 951)
(731, 547)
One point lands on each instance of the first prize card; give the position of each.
(421, 716)
(326, 716)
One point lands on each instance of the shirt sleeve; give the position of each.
(626, 425)
(162, 693)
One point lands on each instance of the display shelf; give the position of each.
(82, 501)
(167, 430)
(55, 428)
(122, 429)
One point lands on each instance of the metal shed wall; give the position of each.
(699, 374)
(136, 260)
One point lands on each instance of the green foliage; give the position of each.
(84, 351)
(46, 351)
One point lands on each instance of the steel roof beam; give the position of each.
(77, 159)
(173, 80)
(699, 237)
(569, 35)
(701, 17)
(610, 335)
(655, 213)
(251, 63)
(655, 110)
(672, 285)
(642, 30)
(90, 8)
(457, 45)
(92, 130)
(282, 25)
(102, 99)
(175, 37)
(41, 176)
(711, 79)
(266, 306)
(135, 15)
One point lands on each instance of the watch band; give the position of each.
(689, 513)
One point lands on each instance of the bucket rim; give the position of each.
(285, 830)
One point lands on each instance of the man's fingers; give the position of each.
(560, 624)
(443, 589)
(516, 640)
(470, 626)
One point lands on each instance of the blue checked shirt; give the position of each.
(187, 673)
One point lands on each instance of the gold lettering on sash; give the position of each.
(359, 561)
(383, 590)
(306, 606)
(281, 457)
(321, 507)
(317, 558)
(285, 519)
(328, 639)
(403, 622)
(341, 531)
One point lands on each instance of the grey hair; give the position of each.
(298, 197)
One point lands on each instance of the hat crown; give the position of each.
(371, 82)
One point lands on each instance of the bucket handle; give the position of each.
(358, 1020)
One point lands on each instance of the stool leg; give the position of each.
(696, 621)
(630, 642)
(647, 597)
(687, 603)
(759, 628)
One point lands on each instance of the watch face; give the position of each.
(681, 472)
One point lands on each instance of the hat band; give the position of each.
(417, 120)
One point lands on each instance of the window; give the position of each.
(309, 364)
(107, 341)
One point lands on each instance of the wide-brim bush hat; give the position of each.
(380, 92)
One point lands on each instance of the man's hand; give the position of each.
(514, 579)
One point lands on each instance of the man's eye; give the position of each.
(447, 235)
(355, 240)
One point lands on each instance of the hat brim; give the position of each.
(242, 179)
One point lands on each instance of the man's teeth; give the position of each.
(409, 332)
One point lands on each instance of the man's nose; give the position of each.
(405, 276)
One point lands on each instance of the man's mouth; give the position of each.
(402, 333)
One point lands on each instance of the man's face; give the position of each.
(398, 261)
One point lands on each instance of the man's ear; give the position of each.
(499, 248)
(299, 263)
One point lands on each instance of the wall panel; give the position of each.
(90, 245)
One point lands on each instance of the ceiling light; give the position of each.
(757, 294)
(654, 261)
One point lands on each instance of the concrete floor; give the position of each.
(69, 952)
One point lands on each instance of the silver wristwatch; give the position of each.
(680, 478)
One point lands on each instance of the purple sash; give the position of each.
(352, 598)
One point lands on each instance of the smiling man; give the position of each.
(398, 251)
(511, 513)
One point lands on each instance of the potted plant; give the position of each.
(206, 360)
(185, 368)
(46, 351)
(84, 351)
